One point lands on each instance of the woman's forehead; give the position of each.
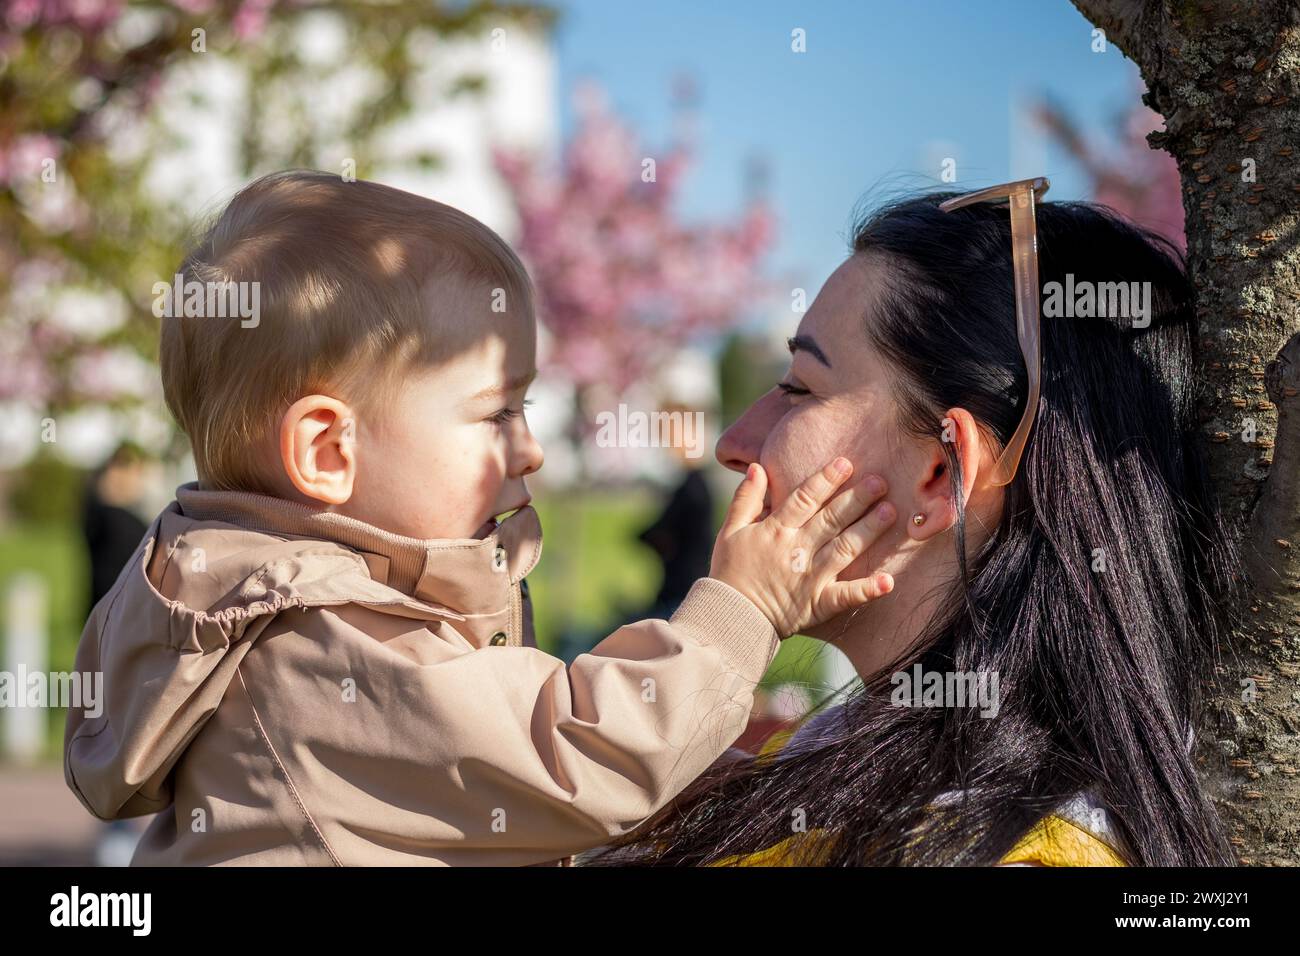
(836, 321)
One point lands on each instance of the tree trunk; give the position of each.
(1226, 77)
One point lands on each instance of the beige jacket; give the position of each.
(289, 686)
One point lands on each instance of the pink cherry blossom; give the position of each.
(621, 282)
(1135, 180)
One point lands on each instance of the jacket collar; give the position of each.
(465, 574)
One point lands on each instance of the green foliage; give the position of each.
(47, 492)
(746, 370)
(594, 571)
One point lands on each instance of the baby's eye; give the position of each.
(507, 414)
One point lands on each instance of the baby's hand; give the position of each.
(787, 563)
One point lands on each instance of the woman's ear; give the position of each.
(318, 448)
(937, 508)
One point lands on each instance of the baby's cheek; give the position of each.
(439, 493)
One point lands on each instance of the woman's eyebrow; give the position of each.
(805, 343)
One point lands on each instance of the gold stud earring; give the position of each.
(918, 518)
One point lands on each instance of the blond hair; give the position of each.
(342, 272)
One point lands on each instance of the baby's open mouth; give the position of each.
(488, 527)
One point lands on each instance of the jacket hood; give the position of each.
(212, 572)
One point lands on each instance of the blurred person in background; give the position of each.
(109, 523)
(682, 535)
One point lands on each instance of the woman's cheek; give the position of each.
(793, 454)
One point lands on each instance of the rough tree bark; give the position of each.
(1225, 74)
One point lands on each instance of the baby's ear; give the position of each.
(936, 509)
(318, 448)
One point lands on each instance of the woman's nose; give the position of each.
(742, 443)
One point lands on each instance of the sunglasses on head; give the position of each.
(1020, 196)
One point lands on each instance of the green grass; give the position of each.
(592, 569)
(56, 553)
(594, 572)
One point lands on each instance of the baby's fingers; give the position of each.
(806, 500)
(841, 596)
(747, 503)
(844, 509)
(838, 553)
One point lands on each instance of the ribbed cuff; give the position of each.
(716, 614)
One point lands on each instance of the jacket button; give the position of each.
(498, 638)
(499, 557)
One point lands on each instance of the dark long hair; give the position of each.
(1099, 599)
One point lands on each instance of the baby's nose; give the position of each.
(531, 456)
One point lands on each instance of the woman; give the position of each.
(1087, 592)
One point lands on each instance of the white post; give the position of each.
(26, 652)
(841, 676)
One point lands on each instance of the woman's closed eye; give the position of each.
(792, 390)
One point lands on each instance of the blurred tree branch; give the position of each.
(79, 87)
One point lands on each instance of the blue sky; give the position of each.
(883, 93)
